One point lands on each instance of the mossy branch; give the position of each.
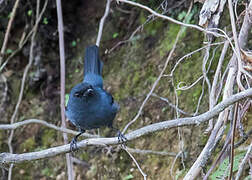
(7, 158)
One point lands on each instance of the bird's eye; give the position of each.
(77, 94)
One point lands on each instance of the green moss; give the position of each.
(48, 137)
(84, 156)
(151, 28)
(221, 172)
(47, 172)
(169, 39)
(22, 171)
(29, 144)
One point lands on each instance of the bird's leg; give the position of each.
(121, 138)
(73, 144)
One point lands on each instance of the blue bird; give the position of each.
(89, 105)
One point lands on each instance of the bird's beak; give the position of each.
(89, 92)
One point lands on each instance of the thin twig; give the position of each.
(154, 84)
(172, 105)
(200, 98)
(183, 88)
(237, 47)
(190, 54)
(204, 71)
(102, 23)
(149, 19)
(212, 141)
(180, 130)
(82, 163)
(146, 152)
(180, 154)
(232, 141)
(242, 164)
(4, 93)
(135, 161)
(171, 19)
(217, 160)
(7, 33)
(31, 57)
(213, 92)
(8, 158)
(23, 42)
(243, 139)
(70, 170)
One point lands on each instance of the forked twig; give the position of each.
(135, 161)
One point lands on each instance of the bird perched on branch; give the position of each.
(89, 105)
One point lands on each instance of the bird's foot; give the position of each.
(73, 145)
(121, 138)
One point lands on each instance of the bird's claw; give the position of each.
(73, 145)
(121, 138)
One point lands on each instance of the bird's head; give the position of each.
(82, 90)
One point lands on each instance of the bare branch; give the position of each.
(135, 161)
(102, 23)
(190, 54)
(70, 171)
(31, 57)
(156, 82)
(183, 88)
(7, 158)
(237, 48)
(172, 105)
(212, 141)
(213, 91)
(31, 121)
(171, 19)
(234, 121)
(23, 41)
(146, 152)
(245, 159)
(6, 37)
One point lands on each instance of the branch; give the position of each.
(172, 105)
(212, 141)
(31, 121)
(245, 159)
(102, 23)
(146, 152)
(7, 158)
(135, 161)
(6, 37)
(237, 47)
(155, 83)
(70, 171)
(171, 19)
(27, 67)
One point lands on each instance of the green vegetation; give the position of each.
(223, 170)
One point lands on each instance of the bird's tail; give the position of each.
(92, 62)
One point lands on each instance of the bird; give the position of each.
(89, 105)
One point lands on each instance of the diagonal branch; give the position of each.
(6, 37)
(7, 158)
(171, 19)
(98, 40)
